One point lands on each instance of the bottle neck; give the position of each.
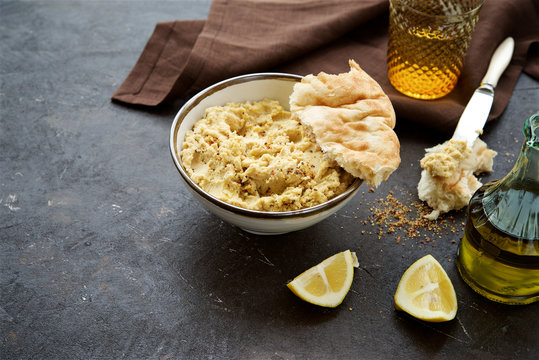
(525, 172)
(526, 169)
(512, 203)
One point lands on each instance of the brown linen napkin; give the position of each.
(304, 37)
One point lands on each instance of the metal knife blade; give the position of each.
(475, 114)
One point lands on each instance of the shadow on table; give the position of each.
(245, 274)
(164, 112)
(429, 337)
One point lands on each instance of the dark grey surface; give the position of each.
(105, 254)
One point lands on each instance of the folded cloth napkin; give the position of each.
(309, 36)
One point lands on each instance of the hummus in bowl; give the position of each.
(255, 156)
(266, 176)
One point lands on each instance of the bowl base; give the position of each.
(263, 232)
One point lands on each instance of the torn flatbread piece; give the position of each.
(352, 120)
(448, 179)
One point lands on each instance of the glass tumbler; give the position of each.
(428, 40)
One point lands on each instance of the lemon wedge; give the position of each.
(426, 292)
(327, 283)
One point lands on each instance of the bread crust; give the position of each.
(352, 120)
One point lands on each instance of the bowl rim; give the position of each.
(194, 101)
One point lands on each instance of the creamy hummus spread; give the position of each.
(254, 155)
(447, 180)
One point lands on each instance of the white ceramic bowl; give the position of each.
(243, 88)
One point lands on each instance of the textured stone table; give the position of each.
(105, 254)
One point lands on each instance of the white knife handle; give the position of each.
(500, 59)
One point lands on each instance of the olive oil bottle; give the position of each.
(498, 256)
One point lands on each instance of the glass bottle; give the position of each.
(498, 256)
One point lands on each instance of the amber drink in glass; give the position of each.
(428, 40)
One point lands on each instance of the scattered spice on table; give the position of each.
(389, 216)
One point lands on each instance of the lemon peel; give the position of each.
(327, 283)
(426, 292)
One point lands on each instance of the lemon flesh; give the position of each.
(327, 283)
(426, 292)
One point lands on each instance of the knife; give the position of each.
(475, 114)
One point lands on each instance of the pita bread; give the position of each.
(352, 120)
(447, 180)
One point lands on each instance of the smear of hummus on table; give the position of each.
(447, 180)
(254, 155)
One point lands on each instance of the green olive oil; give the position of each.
(498, 256)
